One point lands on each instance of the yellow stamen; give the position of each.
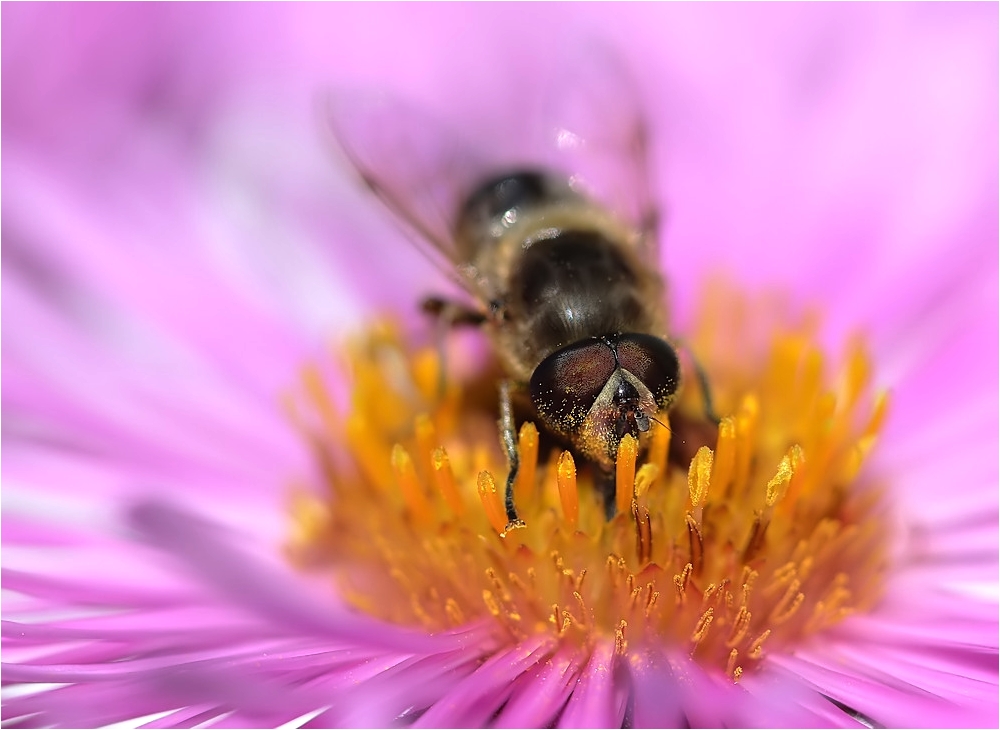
(625, 473)
(659, 447)
(527, 449)
(746, 426)
(779, 482)
(410, 485)
(725, 456)
(621, 645)
(771, 532)
(566, 479)
(700, 475)
(644, 479)
(427, 442)
(702, 627)
(491, 501)
(444, 480)
(731, 667)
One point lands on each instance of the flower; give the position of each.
(176, 258)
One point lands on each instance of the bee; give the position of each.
(565, 280)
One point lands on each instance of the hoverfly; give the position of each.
(564, 280)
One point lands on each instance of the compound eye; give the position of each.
(565, 385)
(654, 362)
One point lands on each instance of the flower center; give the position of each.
(728, 542)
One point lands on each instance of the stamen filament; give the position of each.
(699, 478)
(566, 481)
(725, 457)
(409, 485)
(527, 449)
(625, 473)
(444, 480)
(492, 503)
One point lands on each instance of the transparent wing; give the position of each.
(589, 125)
(595, 121)
(413, 163)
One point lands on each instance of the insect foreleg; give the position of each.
(508, 436)
(606, 482)
(448, 314)
(706, 392)
(451, 313)
(703, 385)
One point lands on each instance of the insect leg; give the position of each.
(708, 408)
(448, 314)
(453, 314)
(606, 484)
(706, 390)
(509, 438)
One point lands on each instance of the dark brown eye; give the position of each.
(652, 361)
(565, 384)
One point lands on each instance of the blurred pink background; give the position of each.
(816, 123)
(166, 176)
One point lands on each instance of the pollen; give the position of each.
(730, 540)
